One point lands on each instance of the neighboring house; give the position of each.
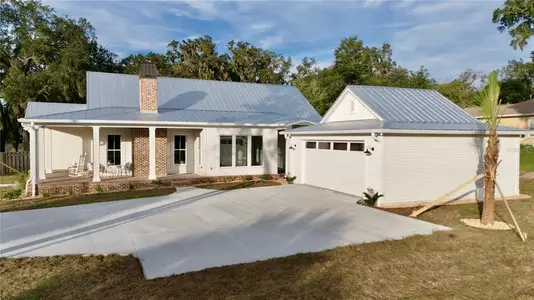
(410, 145)
(167, 125)
(518, 115)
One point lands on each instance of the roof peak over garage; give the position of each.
(410, 105)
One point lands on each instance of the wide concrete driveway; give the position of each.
(194, 229)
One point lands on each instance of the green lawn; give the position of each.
(527, 161)
(14, 205)
(464, 263)
(11, 178)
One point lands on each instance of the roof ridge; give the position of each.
(391, 87)
(211, 110)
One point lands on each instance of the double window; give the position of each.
(248, 150)
(114, 149)
(180, 146)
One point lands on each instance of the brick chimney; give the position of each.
(148, 87)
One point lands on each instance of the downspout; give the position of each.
(288, 153)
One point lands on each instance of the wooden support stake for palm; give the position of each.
(521, 235)
(444, 199)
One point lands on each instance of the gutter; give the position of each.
(403, 131)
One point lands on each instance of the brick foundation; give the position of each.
(49, 189)
(140, 152)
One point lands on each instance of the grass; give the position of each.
(15, 205)
(238, 185)
(464, 263)
(11, 178)
(526, 161)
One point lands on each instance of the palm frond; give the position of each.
(488, 100)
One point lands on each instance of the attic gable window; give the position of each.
(353, 106)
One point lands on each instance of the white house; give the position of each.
(411, 145)
(167, 125)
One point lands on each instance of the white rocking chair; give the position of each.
(77, 169)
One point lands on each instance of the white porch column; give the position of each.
(48, 150)
(31, 128)
(41, 150)
(96, 154)
(152, 153)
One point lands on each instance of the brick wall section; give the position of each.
(148, 94)
(140, 152)
(50, 189)
(161, 152)
(140, 155)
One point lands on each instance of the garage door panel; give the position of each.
(343, 171)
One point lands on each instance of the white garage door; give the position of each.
(339, 166)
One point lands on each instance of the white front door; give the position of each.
(179, 154)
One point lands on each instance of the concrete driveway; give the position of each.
(194, 229)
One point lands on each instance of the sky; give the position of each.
(446, 37)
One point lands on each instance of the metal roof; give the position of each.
(44, 108)
(178, 116)
(363, 125)
(121, 90)
(411, 105)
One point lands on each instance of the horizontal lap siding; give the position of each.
(420, 168)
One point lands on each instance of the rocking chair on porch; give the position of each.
(77, 169)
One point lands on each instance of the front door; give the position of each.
(179, 154)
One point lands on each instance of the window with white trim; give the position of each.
(257, 150)
(357, 147)
(114, 150)
(225, 151)
(180, 146)
(241, 151)
(311, 145)
(340, 146)
(324, 145)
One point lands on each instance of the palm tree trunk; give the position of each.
(490, 174)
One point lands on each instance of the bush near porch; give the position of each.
(125, 185)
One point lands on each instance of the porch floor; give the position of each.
(61, 177)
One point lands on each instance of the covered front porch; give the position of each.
(99, 153)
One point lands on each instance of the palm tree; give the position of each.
(488, 100)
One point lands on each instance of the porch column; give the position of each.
(152, 153)
(31, 128)
(96, 154)
(41, 152)
(48, 150)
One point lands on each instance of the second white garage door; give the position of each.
(339, 166)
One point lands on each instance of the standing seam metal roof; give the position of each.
(411, 105)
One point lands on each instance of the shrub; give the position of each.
(99, 189)
(290, 179)
(370, 197)
(131, 186)
(21, 179)
(46, 194)
(157, 182)
(12, 194)
(527, 148)
(265, 177)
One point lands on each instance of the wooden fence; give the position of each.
(19, 161)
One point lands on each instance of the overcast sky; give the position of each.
(445, 36)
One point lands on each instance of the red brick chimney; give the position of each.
(148, 87)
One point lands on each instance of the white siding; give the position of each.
(126, 144)
(421, 168)
(347, 172)
(348, 108)
(64, 146)
(210, 151)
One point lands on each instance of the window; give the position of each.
(225, 151)
(353, 106)
(114, 149)
(179, 149)
(324, 145)
(257, 150)
(241, 151)
(311, 145)
(356, 147)
(340, 146)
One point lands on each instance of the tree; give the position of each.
(44, 56)
(252, 64)
(132, 63)
(517, 17)
(488, 99)
(197, 58)
(515, 90)
(462, 90)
